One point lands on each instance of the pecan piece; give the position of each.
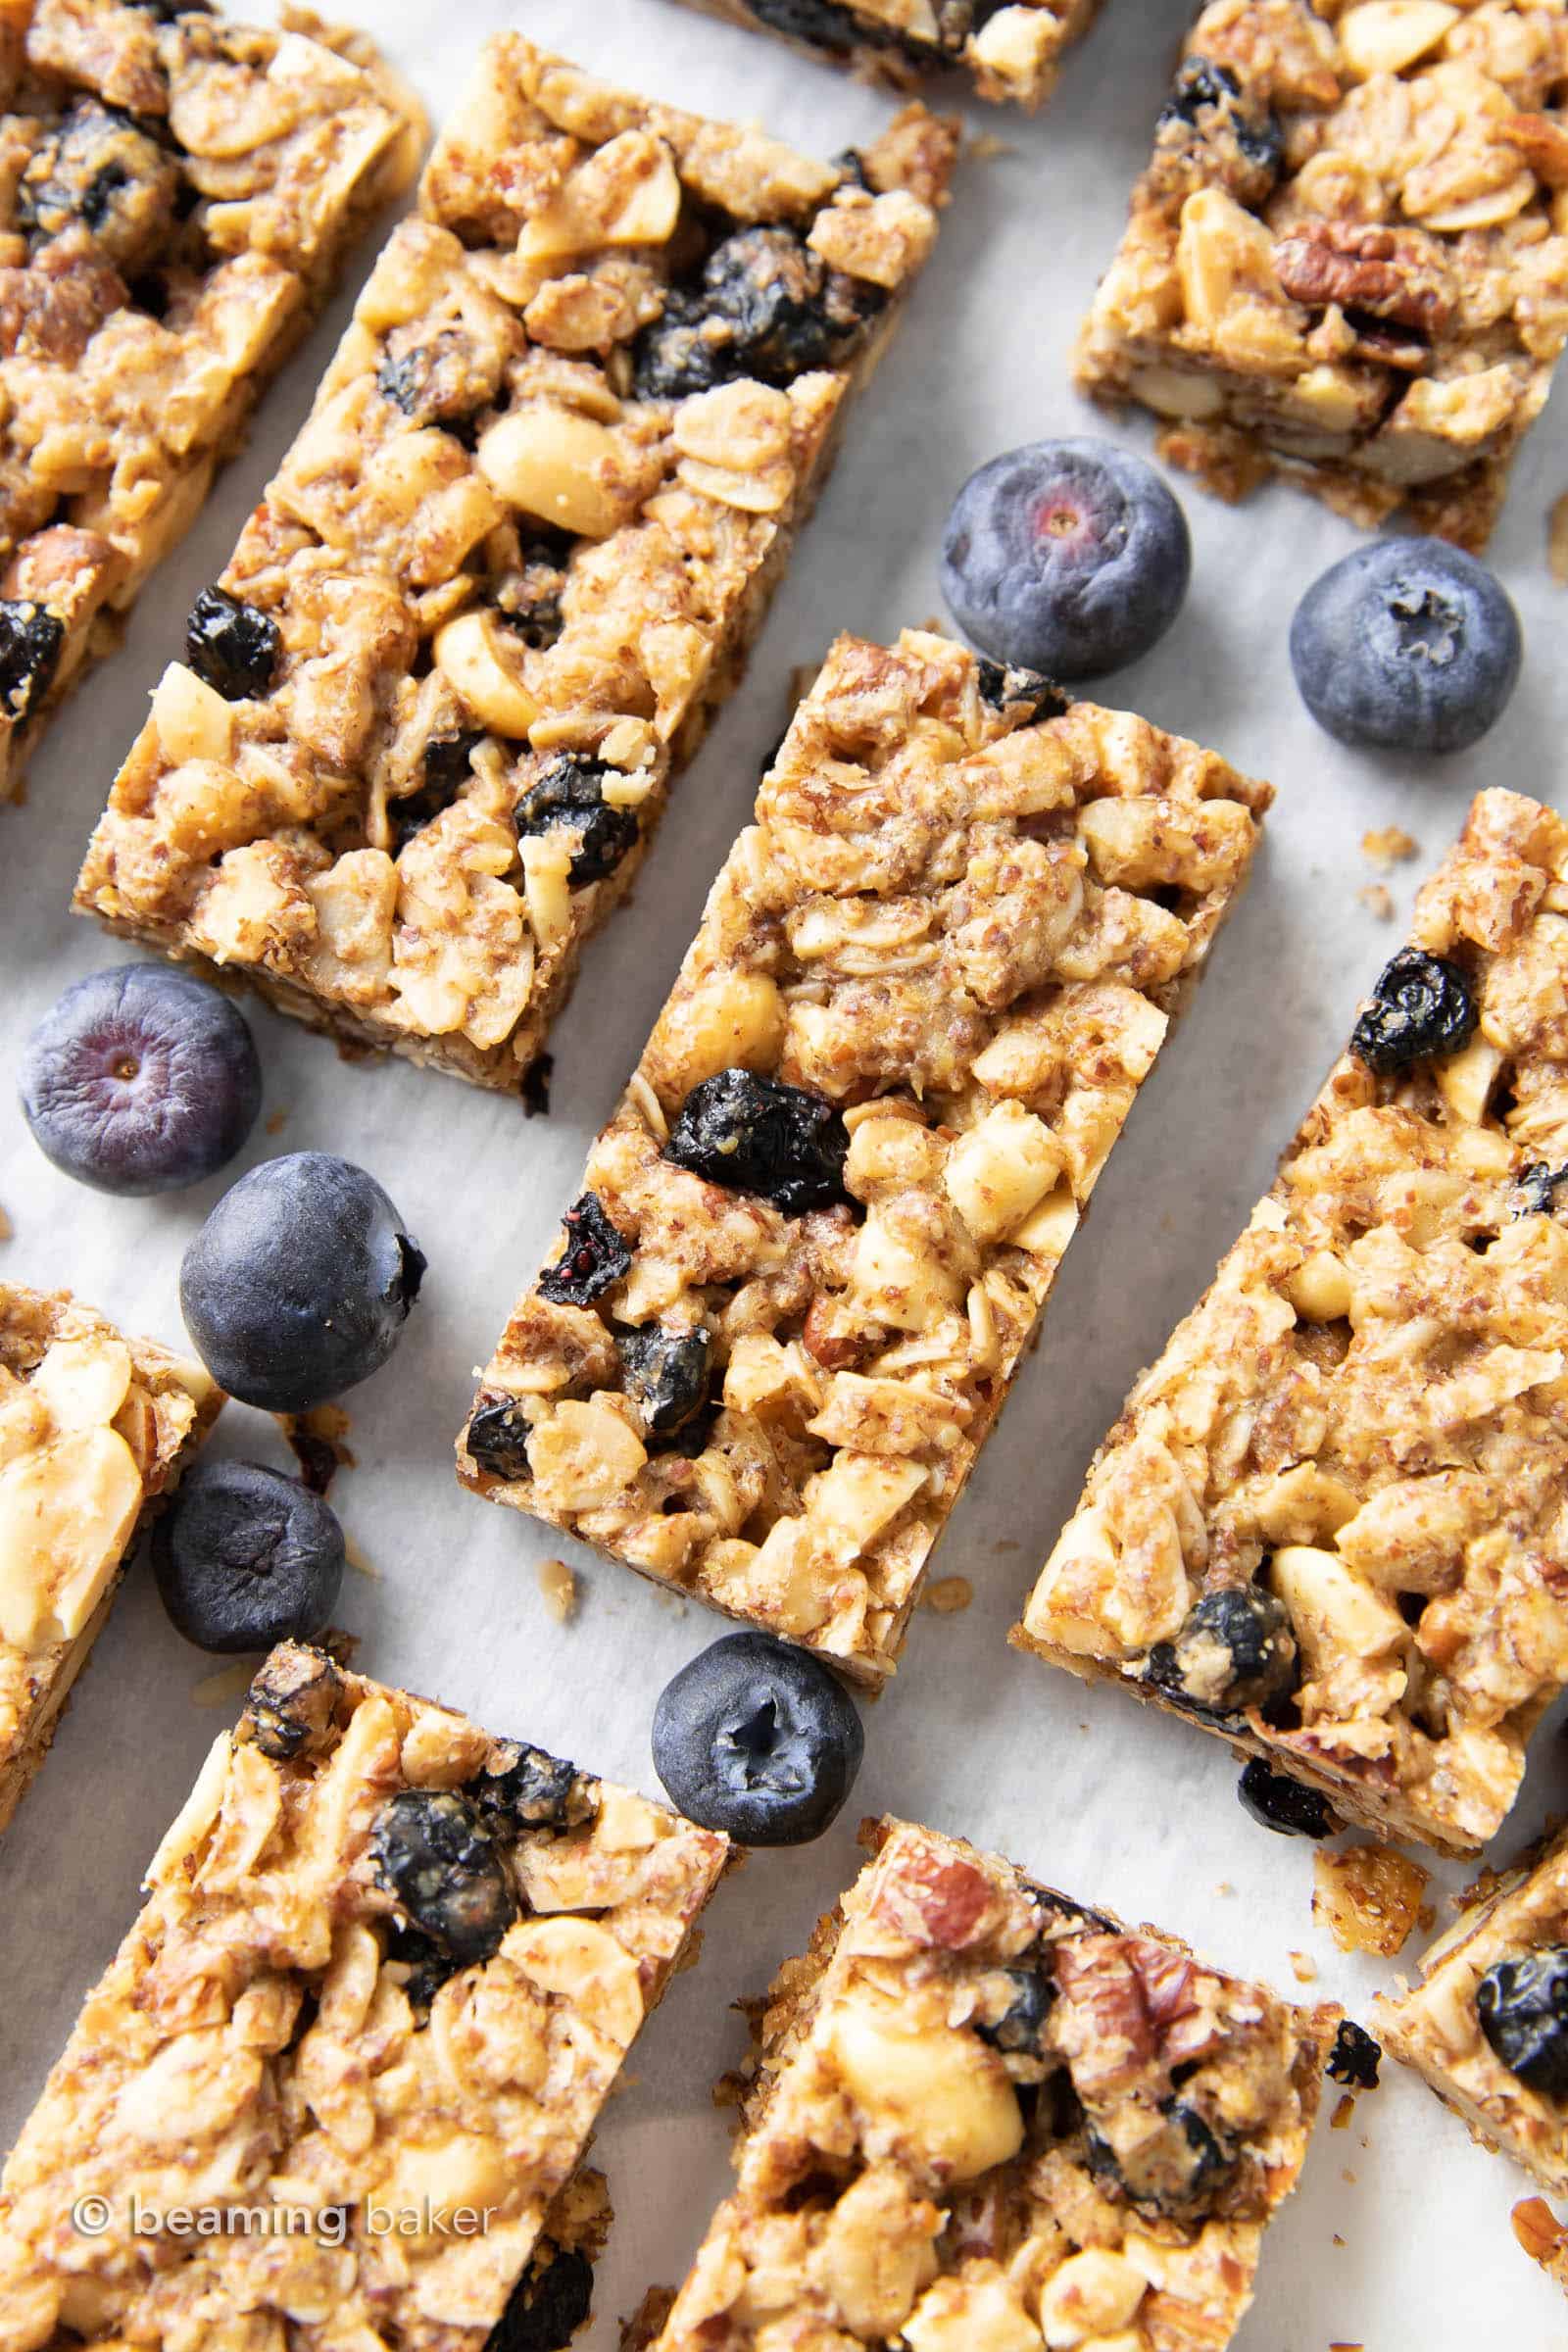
(1543, 142)
(937, 1902)
(1378, 276)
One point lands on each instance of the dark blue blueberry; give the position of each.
(758, 1740)
(1208, 108)
(523, 1788)
(1022, 2022)
(30, 639)
(1175, 2170)
(570, 793)
(299, 1282)
(245, 1557)
(140, 1080)
(1523, 2008)
(1354, 2057)
(759, 1135)
(1067, 556)
(666, 1368)
(547, 2305)
(766, 307)
(1407, 645)
(1536, 1189)
(232, 647)
(1020, 693)
(1234, 1650)
(1280, 1803)
(433, 1853)
(1420, 1007)
(497, 1436)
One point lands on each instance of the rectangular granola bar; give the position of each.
(93, 1428)
(177, 196)
(986, 2114)
(1331, 1522)
(816, 1234)
(512, 561)
(1347, 262)
(385, 1977)
(1507, 1952)
(1009, 52)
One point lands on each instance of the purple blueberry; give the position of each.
(1407, 645)
(1067, 556)
(299, 1282)
(245, 1557)
(758, 1740)
(140, 1080)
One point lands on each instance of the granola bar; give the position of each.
(386, 1974)
(815, 1237)
(93, 1428)
(177, 196)
(1482, 2025)
(1331, 1522)
(1347, 261)
(986, 2115)
(513, 560)
(1010, 49)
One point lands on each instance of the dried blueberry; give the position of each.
(432, 1852)
(1283, 1804)
(432, 384)
(594, 1258)
(767, 306)
(427, 1964)
(523, 1788)
(529, 600)
(445, 769)
(1421, 1006)
(31, 641)
(1237, 133)
(1523, 2008)
(140, 1080)
(1354, 2059)
(758, 1134)
(666, 1368)
(1021, 693)
(1234, 1650)
(292, 1703)
(1535, 1190)
(820, 23)
(1173, 2169)
(569, 792)
(758, 1740)
(235, 648)
(497, 1436)
(1021, 2023)
(101, 171)
(547, 2305)
(245, 1557)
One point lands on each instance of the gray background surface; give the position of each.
(1399, 2237)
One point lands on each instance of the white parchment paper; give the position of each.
(1399, 2235)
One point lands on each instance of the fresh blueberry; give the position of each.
(246, 1557)
(299, 1282)
(758, 1740)
(1067, 556)
(1407, 645)
(140, 1080)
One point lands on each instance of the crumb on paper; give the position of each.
(558, 1584)
(1539, 2230)
(1343, 2112)
(1388, 845)
(1223, 1886)
(1007, 1544)
(1557, 540)
(986, 148)
(1338, 2240)
(948, 1595)
(536, 1086)
(1350, 2180)
(1378, 899)
(317, 1440)
(231, 1681)
(358, 1561)
(5, 1226)
(648, 2320)
(1304, 1968)
(1369, 1898)
(275, 1122)
(340, 1645)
